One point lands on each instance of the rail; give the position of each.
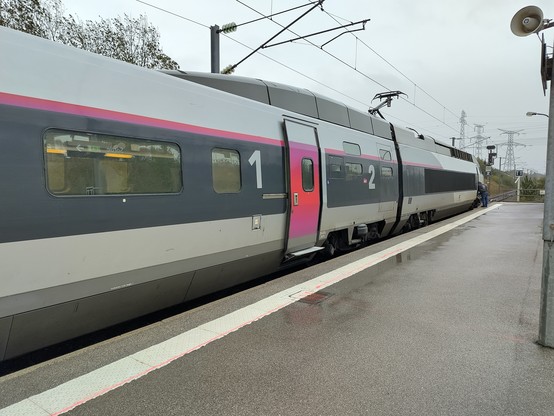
(503, 196)
(525, 195)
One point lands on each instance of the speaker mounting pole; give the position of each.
(525, 22)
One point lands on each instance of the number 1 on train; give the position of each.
(256, 159)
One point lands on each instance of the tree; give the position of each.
(130, 40)
(24, 15)
(529, 190)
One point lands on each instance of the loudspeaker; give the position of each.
(528, 20)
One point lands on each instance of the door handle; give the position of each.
(295, 199)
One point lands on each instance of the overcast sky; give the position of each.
(446, 55)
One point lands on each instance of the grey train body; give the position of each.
(126, 190)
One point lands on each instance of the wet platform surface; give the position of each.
(447, 327)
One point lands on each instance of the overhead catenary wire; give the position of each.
(353, 67)
(173, 14)
(261, 53)
(342, 61)
(335, 18)
(312, 44)
(317, 4)
(272, 15)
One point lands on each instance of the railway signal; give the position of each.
(491, 155)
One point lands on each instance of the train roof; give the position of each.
(298, 100)
(308, 103)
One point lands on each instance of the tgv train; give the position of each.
(126, 190)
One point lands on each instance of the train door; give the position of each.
(304, 188)
(388, 176)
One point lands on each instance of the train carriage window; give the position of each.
(307, 175)
(385, 154)
(351, 149)
(353, 170)
(226, 171)
(386, 172)
(336, 167)
(96, 164)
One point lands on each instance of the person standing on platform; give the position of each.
(484, 193)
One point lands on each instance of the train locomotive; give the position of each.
(127, 190)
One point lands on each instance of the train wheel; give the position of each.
(329, 249)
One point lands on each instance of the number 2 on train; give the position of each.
(371, 172)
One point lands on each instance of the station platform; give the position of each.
(439, 321)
